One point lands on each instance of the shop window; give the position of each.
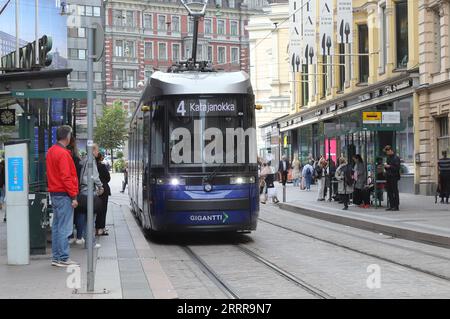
(401, 33)
(363, 48)
(443, 136)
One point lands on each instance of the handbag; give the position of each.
(82, 198)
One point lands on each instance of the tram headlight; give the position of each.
(175, 181)
(242, 180)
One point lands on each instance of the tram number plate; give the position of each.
(208, 107)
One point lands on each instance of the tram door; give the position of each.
(146, 165)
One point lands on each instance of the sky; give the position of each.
(51, 23)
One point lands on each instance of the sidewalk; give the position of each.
(419, 218)
(125, 263)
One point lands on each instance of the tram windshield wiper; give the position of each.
(213, 174)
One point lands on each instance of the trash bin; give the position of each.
(38, 222)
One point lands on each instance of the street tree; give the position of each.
(111, 131)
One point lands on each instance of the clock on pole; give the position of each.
(7, 117)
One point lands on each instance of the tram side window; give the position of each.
(157, 155)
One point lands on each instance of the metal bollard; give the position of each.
(284, 193)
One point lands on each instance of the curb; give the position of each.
(395, 231)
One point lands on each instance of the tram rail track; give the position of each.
(285, 274)
(211, 274)
(389, 260)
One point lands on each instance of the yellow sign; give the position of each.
(285, 141)
(371, 117)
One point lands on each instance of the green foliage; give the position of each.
(119, 155)
(111, 131)
(119, 165)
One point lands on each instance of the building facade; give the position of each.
(82, 13)
(142, 37)
(269, 72)
(376, 70)
(433, 93)
(8, 43)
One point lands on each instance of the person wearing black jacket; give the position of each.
(283, 169)
(105, 177)
(392, 168)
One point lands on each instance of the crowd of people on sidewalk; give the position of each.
(67, 180)
(348, 182)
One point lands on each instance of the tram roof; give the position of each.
(162, 83)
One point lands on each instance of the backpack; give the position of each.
(348, 175)
(308, 173)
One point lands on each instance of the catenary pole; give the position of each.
(90, 189)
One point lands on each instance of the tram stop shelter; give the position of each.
(37, 103)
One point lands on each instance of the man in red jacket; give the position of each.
(63, 188)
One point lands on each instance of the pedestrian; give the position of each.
(283, 169)
(81, 223)
(105, 178)
(62, 183)
(444, 177)
(392, 168)
(2, 185)
(307, 174)
(271, 190)
(360, 197)
(265, 171)
(296, 173)
(344, 176)
(320, 170)
(125, 177)
(72, 147)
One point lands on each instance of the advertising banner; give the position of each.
(344, 21)
(326, 27)
(295, 36)
(309, 19)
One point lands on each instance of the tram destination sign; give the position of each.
(206, 107)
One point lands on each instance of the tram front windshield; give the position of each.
(211, 134)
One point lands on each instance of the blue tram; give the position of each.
(192, 152)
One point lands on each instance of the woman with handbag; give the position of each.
(265, 170)
(81, 220)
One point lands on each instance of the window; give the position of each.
(98, 76)
(148, 50)
(124, 79)
(232, 3)
(219, 3)
(221, 55)
(220, 27)
(208, 26)
(130, 19)
(235, 55)
(162, 51)
(190, 26)
(437, 41)
(210, 53)
(162, 23)
(363, 47)
(118, 49)
(401, 32)
(76, 32)
(176, 52)
(82, 76)
(443, 137)
(383, 35)
(234, 28)
(81, 10)
(148, 21)
(175, 26)
(77, 54)
(96, 11)
(129, 49)
(89, 11)
(118, 17)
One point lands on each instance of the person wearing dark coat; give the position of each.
(444, 177)
(392, 168)
(283, 169)
(105, 178)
